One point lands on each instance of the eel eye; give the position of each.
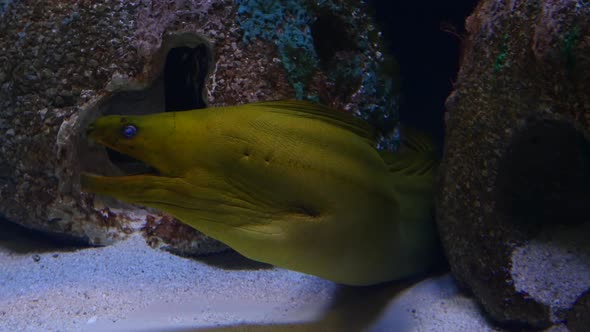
(129, 131)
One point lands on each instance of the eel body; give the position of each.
(289, 183)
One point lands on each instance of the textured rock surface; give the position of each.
(4, 4)
(65, 63)
(513, 206)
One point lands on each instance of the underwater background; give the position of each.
(501, 88)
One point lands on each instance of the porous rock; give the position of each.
(512, 207)
(65, 63)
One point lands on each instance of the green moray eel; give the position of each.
(290, 183)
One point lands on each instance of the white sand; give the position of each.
(132, 287)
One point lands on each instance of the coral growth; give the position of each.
(287, 25)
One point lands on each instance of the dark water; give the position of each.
(428, 55)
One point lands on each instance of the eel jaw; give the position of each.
(110, 171)
(129, 188)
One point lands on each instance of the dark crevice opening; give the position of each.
(184, 76)
(330, 35)
(428, 56)
(545, 177)
(22, 240)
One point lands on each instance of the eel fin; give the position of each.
(417, 155)
(317, 111)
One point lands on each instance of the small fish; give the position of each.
(290, 183)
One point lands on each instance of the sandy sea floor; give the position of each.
(132, 287)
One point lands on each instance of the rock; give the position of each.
(512, 208)
(170, 234)
(578, 319)
(4, 4)
(76, 61)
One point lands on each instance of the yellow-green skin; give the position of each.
(287, 183)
